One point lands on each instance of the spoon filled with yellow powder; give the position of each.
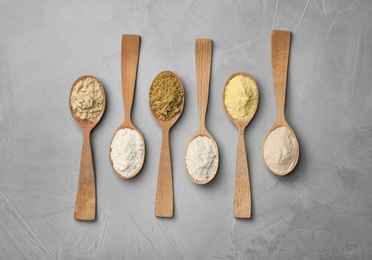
(87, 105)
(166, 98)
(240, 98)
(280, 149)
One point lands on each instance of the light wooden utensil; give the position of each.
(85, 206)
(164, 190)
(130, 46)
(203, 54)
(242, 195)
(280, 45)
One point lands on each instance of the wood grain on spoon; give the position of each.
(85, 206)
(130, 46)
(280, 44)
(203, 57)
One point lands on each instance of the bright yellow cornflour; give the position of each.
(241, 97)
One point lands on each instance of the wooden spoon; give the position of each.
(242, 195)
(85, 206)
(203, 53)
(130, 46)
(164, 191)
(280, 44)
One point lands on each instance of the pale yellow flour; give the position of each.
(241, 97)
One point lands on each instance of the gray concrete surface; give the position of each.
(321, 211)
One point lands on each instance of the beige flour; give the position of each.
(280, 150)
(87, 99)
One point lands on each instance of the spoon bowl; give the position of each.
(242, 194)
(87, 123)
(129, 125)
(240, 123)
(277, 124)
(203, 57)
(202, 133)
(164, 191)
(130, 46)
(167, 124)
(85, 206)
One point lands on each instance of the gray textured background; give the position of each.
(322, 210)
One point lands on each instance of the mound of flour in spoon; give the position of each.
(280, 150)
(87, 99)
(126, 151)
(201, 158)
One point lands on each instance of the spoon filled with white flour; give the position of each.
(201, 155)
(127, 148)
(201, 158)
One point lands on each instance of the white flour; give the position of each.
(280, 150)
(126, 151)
(201, 160)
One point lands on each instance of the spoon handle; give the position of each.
(280, 44)
(130, 45)
(164, 191)
(203, 54)
(85, 207)
(242, 197)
